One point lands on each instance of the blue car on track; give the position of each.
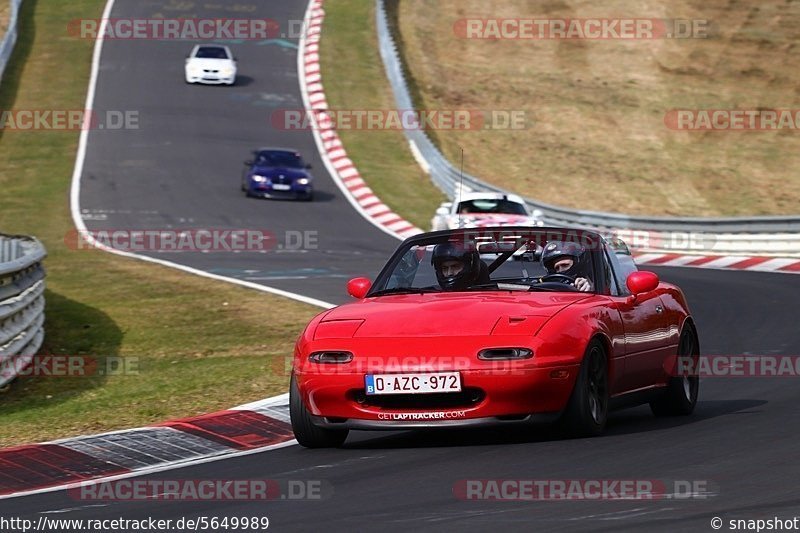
(277, 173)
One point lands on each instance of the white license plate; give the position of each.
(413, 383)
(281, 187)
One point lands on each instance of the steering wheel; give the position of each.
(560, 278)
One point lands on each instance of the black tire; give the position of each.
(305, 431)
(587, 410)
(681, 395)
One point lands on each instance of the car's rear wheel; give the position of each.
(587, 410)
(680, 397)
(305, 431)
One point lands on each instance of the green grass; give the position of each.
(200, 345)
(354, 79)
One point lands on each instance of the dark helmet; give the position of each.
(556, 250)
(451, 251)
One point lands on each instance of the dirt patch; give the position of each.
(596, 136)
(5, 13)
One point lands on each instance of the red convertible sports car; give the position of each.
(494, 326)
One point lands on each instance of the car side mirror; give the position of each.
(308, 166)
(358, 287)
(442, 211)
(249, 162)
(641, 281)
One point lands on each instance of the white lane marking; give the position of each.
(621, 515)
(70, 509)
(75, 192)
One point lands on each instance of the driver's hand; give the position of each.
(584, 285)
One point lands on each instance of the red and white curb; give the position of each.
(341, 168)
(67, 463)
(784, 265)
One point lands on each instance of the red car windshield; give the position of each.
(503, 262)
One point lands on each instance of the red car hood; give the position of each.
(445, 314)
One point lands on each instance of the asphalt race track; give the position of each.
(181, 168)
(741, 443)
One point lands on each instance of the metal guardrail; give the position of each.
(778, 235)
(10, 37)
(22, 283)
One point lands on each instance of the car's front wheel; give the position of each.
(305, 431)
(681, 394)
(587, 410)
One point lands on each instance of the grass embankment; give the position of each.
(201, 345)
(354, 79)
(5, 12)
(598, 138)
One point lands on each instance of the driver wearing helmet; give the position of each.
(566, 258)
(458, 268)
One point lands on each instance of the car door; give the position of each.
(645, 336)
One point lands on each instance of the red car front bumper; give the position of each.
(521, 391)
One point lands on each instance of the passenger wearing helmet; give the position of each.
(458, 268)
(567, 258)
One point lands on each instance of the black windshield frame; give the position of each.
(592, 241)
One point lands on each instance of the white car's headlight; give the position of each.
(260, 179)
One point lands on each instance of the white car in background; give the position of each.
(211, 63)
(479, 209)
